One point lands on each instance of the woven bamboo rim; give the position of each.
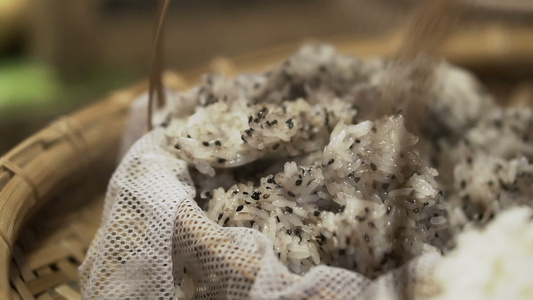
(48, 162)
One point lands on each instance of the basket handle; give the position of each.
(155, 83)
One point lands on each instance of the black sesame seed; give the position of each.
(248, 131)
(218, 143)
(265, 196)
(276, 146)
(226, 221)
(291, 194)
(316, 213)
(289, 231)
(389, 209)
(277, 219)
(331, 161)
(274, 122)
(416, 210)
(205, 144)
(250, 118)
(298, 182)
(290, 123)
(463, 184)
(271, 180)
(221, 160)
(262, 112)
(385, 186)
(356, 179)
(256, 195)
(240, 207)
(358, 141)
(373, 167)
(220, 216)
(289, 209)
(177, 146)
(426, 203)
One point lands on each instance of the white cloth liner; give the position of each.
(152, 231)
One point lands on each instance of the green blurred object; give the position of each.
(32, 94)
(25, 85)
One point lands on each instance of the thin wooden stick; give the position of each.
(156, 63)
(432, 23)
(513, 6)
(410, 74)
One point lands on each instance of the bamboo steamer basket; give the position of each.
(52, 184)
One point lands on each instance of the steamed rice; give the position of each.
(299, 154)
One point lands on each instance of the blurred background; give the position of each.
(57, 55)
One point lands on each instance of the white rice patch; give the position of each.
(501, 271)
